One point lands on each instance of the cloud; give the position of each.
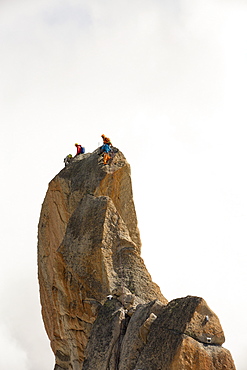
(130, 55)
(20, 335)
(12, 355)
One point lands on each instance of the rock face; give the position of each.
(100, 307)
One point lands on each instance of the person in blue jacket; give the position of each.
(106, 149)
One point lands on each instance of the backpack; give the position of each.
(82, 150)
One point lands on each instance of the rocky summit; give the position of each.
(100, 307)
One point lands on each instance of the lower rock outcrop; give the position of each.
(100, 307)
(184, 334)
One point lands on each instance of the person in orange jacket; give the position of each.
(106, 140)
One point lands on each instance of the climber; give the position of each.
(67, 159)
(106, 140)
(105, 149)
(79, 149)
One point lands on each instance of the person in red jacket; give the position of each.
(79, 149)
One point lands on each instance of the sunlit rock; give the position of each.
(100, 307)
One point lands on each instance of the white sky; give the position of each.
(166, 81)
